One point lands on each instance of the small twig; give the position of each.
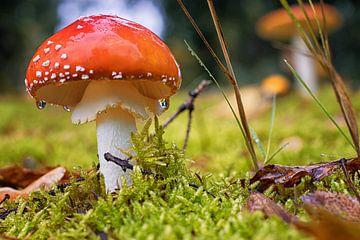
(7, 196)
(189, 103)
(124, 164)
(6, 212)
(348, 179)
(188, 128)
(102, 235)
(197, 186)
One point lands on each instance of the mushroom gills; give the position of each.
(102, 95)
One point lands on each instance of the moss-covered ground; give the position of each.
(163, 207)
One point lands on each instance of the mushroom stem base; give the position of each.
(113, 128)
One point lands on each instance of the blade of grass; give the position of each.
(218, 86)
(309, 24)
(277, 152)
(346, 108)
(302, 32)
(272, 121)
(231, 77)
(323, 56)
(233, 81)
(297, 76)
(201, 35)
(258, 142)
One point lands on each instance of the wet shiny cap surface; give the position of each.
(101, 47)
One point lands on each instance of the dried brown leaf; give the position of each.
(259, 202)
(288, 176)
(50, 178)
(326, 223)
(328, 226)
(336, 203)
(19, 177)
(334, 216)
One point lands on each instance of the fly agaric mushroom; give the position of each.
(278, 25)
(109, 70)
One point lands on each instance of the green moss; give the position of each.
(172, 202)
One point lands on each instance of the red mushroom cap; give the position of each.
(101, 47)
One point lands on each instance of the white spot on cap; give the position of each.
(84, 76)
(50, 42)
(62, 80)
(35, 81)
(46, 73)
(63, 56)
(79, 69)
(68, 77)
(45, 78)
(91, 71)
(118, 75)
(56, 65)
(46, 63)
(61, 75)
(53, 76)
(79, 27)
(36, 58)
(38, 74)
(67, 73)
(113, 73)
(46, 50)
(57, 47)
(66, 67)
(75, 75)
(149, 74)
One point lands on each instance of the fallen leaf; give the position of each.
(336, 203)
(324, 225)
(19, 177)
(45, 182)
(334, 216)
(288, 176)
(330, 226)
(259, 202)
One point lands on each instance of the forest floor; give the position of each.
(167, 210)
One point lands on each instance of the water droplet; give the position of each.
(40, 104)
(164, 103)
(66, 108)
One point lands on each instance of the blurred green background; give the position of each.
(25, 24)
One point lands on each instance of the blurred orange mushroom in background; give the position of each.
(278, 26)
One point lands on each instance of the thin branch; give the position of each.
(123, 163)
(189, 103)
(348, 179)
(191, 109)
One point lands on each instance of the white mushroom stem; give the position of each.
(114, 105)
(113, 129)
(304, 64)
